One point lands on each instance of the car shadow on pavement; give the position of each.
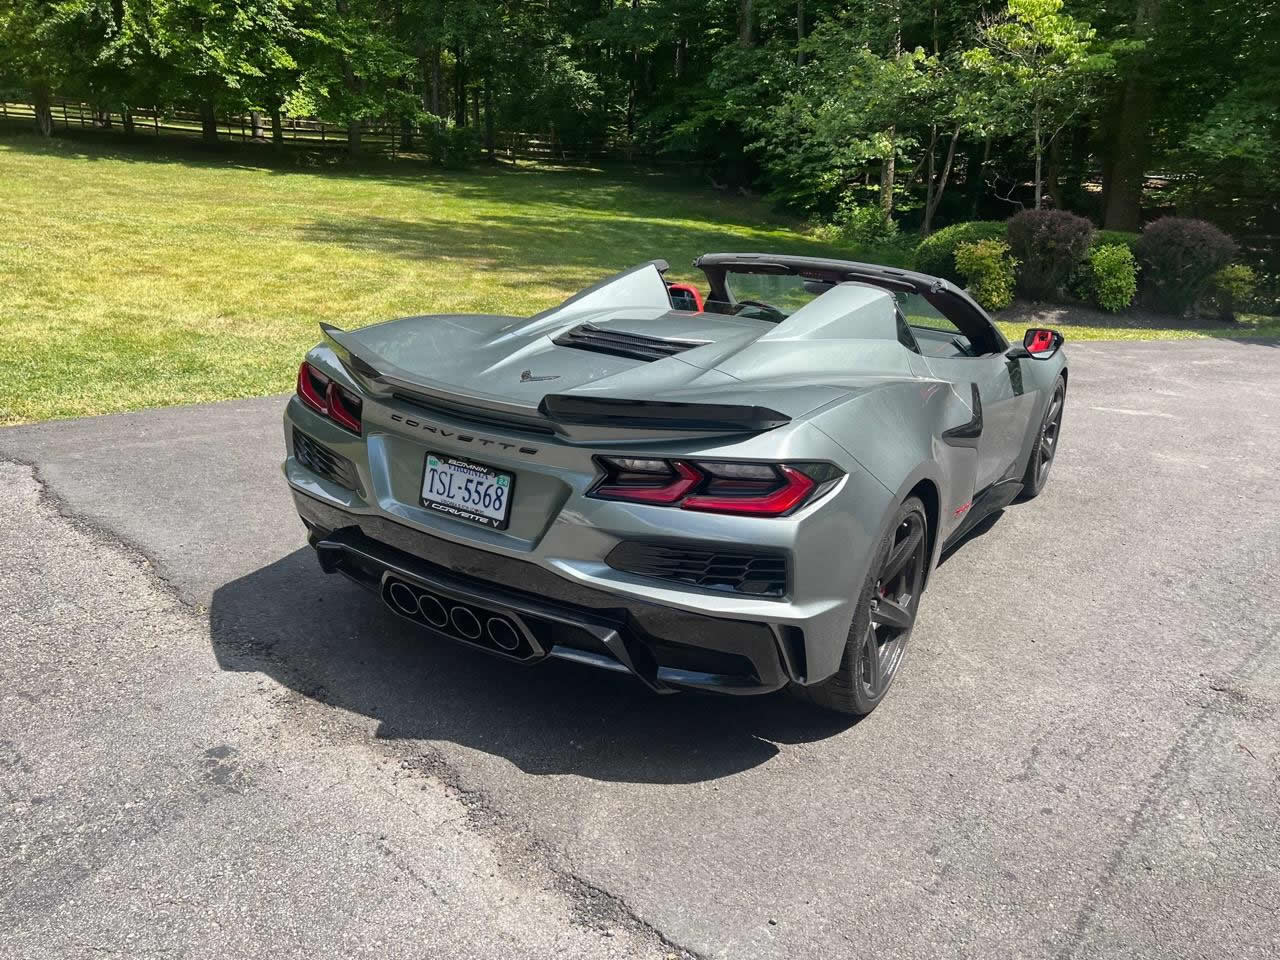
(334, 642)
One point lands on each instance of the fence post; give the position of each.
(155, 119)
(322, 126)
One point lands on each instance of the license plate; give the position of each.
(469, 490)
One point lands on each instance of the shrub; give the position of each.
(935, 254)
(1116, 238)
(1231, 288)
(1178, 256)
(1050, 244)
(1113, 277)
(859, 225)
(988, 271)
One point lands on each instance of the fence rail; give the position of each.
(385, 137)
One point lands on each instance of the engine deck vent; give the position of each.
(587, 336)
(751, 572)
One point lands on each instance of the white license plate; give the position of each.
(469, 490)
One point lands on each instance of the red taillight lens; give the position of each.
(795, 489)
(328, 399)
(647, 481)
(749, 489)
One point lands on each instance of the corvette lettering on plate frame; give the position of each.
(467, 490)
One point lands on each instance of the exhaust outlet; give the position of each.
(465, 622)
(502, 633)
(403, 598)
(433, 611)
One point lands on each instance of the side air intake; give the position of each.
(587, 336)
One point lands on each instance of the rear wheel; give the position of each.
(1046, 443)
(886, 613)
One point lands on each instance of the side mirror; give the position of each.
(1041, 343)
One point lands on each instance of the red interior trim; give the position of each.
(689, 289)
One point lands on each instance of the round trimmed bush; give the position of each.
(1113, 277)
(988, 271)
(936, 253)
(1051, 244)
(1178, 256)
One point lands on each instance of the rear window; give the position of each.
(768, 296)
(936, 335)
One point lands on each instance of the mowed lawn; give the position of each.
(133, 278)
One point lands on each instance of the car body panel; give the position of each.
(842, 385)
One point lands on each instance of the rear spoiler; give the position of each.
(658, 414)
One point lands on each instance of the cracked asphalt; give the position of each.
(208, 748)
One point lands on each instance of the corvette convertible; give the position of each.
(737, 485)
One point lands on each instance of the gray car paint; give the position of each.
(857, 397)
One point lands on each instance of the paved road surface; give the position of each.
(209, 748)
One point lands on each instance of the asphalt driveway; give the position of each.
(208, 747)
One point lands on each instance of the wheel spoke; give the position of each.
(1046, 449)
(872, 668)
(892, 614)
(1055, 408)
(900, 553)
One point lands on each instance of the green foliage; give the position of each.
(860, 225)
(988, 270)
(1041, 66)
(1231, 288)
(935, 254)
(1111, 238)
(1178, 256)
(1113, 277)
(1049, 244)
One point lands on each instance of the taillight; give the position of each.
(328, 399)
(750, 489)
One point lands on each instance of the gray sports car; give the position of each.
(734, 488)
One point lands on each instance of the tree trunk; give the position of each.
(277, 126)
(928, 181)
(746, 30)
(255, 124)
(886, 180)
(126, 119)
(1051, 184)
(1035, 126)
(935, 200)
(355, 136)
(1128, 161)
(43, 109)
(799, 32)
(435, 82)
(459, 88)
(490, 145)
(975, 176)
(208, 122)
(682, 54)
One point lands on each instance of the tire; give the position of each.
(883, 620)
(1045, 446)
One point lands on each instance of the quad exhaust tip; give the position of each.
(502, 633)
(493, 631)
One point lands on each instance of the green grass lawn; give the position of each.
(150, 275)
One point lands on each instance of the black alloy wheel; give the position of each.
(1046, 443)
(882, 623)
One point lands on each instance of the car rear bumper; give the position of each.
(525, 612)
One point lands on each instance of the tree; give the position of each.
(1043, 64)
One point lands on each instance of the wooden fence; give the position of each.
(374, 138)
